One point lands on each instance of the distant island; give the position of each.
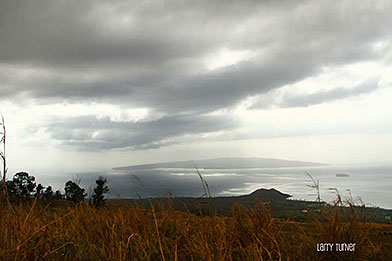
(226, 163)
(342, 175)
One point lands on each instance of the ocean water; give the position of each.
(371, 185)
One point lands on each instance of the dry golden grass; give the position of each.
(59, 231)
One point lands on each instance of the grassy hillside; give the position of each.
(59, 230)
(279, 203)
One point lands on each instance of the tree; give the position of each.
(73, 192)
(24, 184)
(48, 193)
(38, 190)
(58, 195)
(99, 191)
(11, 188)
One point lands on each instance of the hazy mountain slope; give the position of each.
(226, 163)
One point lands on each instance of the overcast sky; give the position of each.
(97, 84)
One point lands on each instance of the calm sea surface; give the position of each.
(370, 185)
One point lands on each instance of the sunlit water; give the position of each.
(370, 185)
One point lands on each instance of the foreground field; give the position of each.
(41, 230)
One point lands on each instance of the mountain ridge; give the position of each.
(226, 163)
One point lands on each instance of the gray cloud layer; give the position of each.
(92, 133)
(304, 100)
(331, 95)
(152, 54)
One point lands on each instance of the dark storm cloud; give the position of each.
(101, 33)
(89, 132)
(152, 55)
(129, 43)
